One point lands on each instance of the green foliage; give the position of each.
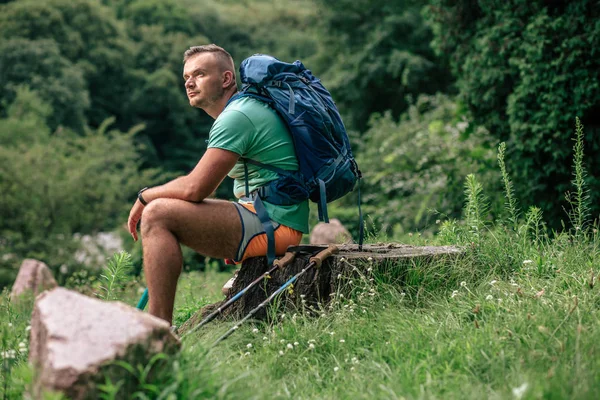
(54, 185)
(476, 207)
(418, 164)
(525, 69)
(580, 201)
(15, 373)
(117, 271)
(511, 202)
(39, 65)
(86, 34)
(377, 56)
(171, 15)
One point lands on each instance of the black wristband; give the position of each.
(140, 198)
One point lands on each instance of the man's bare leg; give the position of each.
(212, 228)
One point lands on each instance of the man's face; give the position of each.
(203, 80)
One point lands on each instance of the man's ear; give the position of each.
(228, 78)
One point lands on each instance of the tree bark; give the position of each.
(314, 287)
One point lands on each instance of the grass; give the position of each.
(517, 317)
(524, 327)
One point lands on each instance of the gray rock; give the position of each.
(330, 233)
(34, 276)
(94, 250)
(74, 338)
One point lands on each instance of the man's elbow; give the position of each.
(194, 193)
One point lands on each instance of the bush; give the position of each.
(418, 164)
(56, 184)
(525, 69)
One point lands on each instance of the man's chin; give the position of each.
(195, 103)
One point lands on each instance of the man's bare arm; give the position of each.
(199, 184)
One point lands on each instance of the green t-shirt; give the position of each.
(253, 130)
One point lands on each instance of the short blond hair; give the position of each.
(222, 55)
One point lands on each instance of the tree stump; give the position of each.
(392, 261)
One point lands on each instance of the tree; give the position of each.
(377, 54)
(39, 64)
(86, 34)
(418, 164)
(525, 70)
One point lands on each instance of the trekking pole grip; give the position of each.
(285, 260)
(323, 255)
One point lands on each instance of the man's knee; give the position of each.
(155, 214)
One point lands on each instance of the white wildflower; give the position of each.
(290, 346)
(518, 392)
(255, 330)
(10, 324)
(332, 333)
(249, 345)
(246, 354)
(489, 297)
(527, 261)
(339, 276)
(342, 341)
(280, 352)
(64, 269)
(463, 284)
(493, 282)
(282, 341)
(28, 328)
(264, 338)
(302, 296)
(296, 343)
(370, 269)
(336, 369)
(454, 294)
(311, 346)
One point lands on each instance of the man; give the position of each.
(179, 212)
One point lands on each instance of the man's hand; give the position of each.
(134, 217)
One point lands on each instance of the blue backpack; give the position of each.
(327, 169)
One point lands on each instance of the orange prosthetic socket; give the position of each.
(257, 246)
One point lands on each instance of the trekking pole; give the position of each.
(143, 301)
(313, 261)
(280, 263)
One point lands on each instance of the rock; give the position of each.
(332, 232)
(394, 262)
(34, 276)
(94, 250)
(74, 338)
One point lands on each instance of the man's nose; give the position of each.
(190, 82)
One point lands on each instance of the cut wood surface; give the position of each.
(315, 286)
